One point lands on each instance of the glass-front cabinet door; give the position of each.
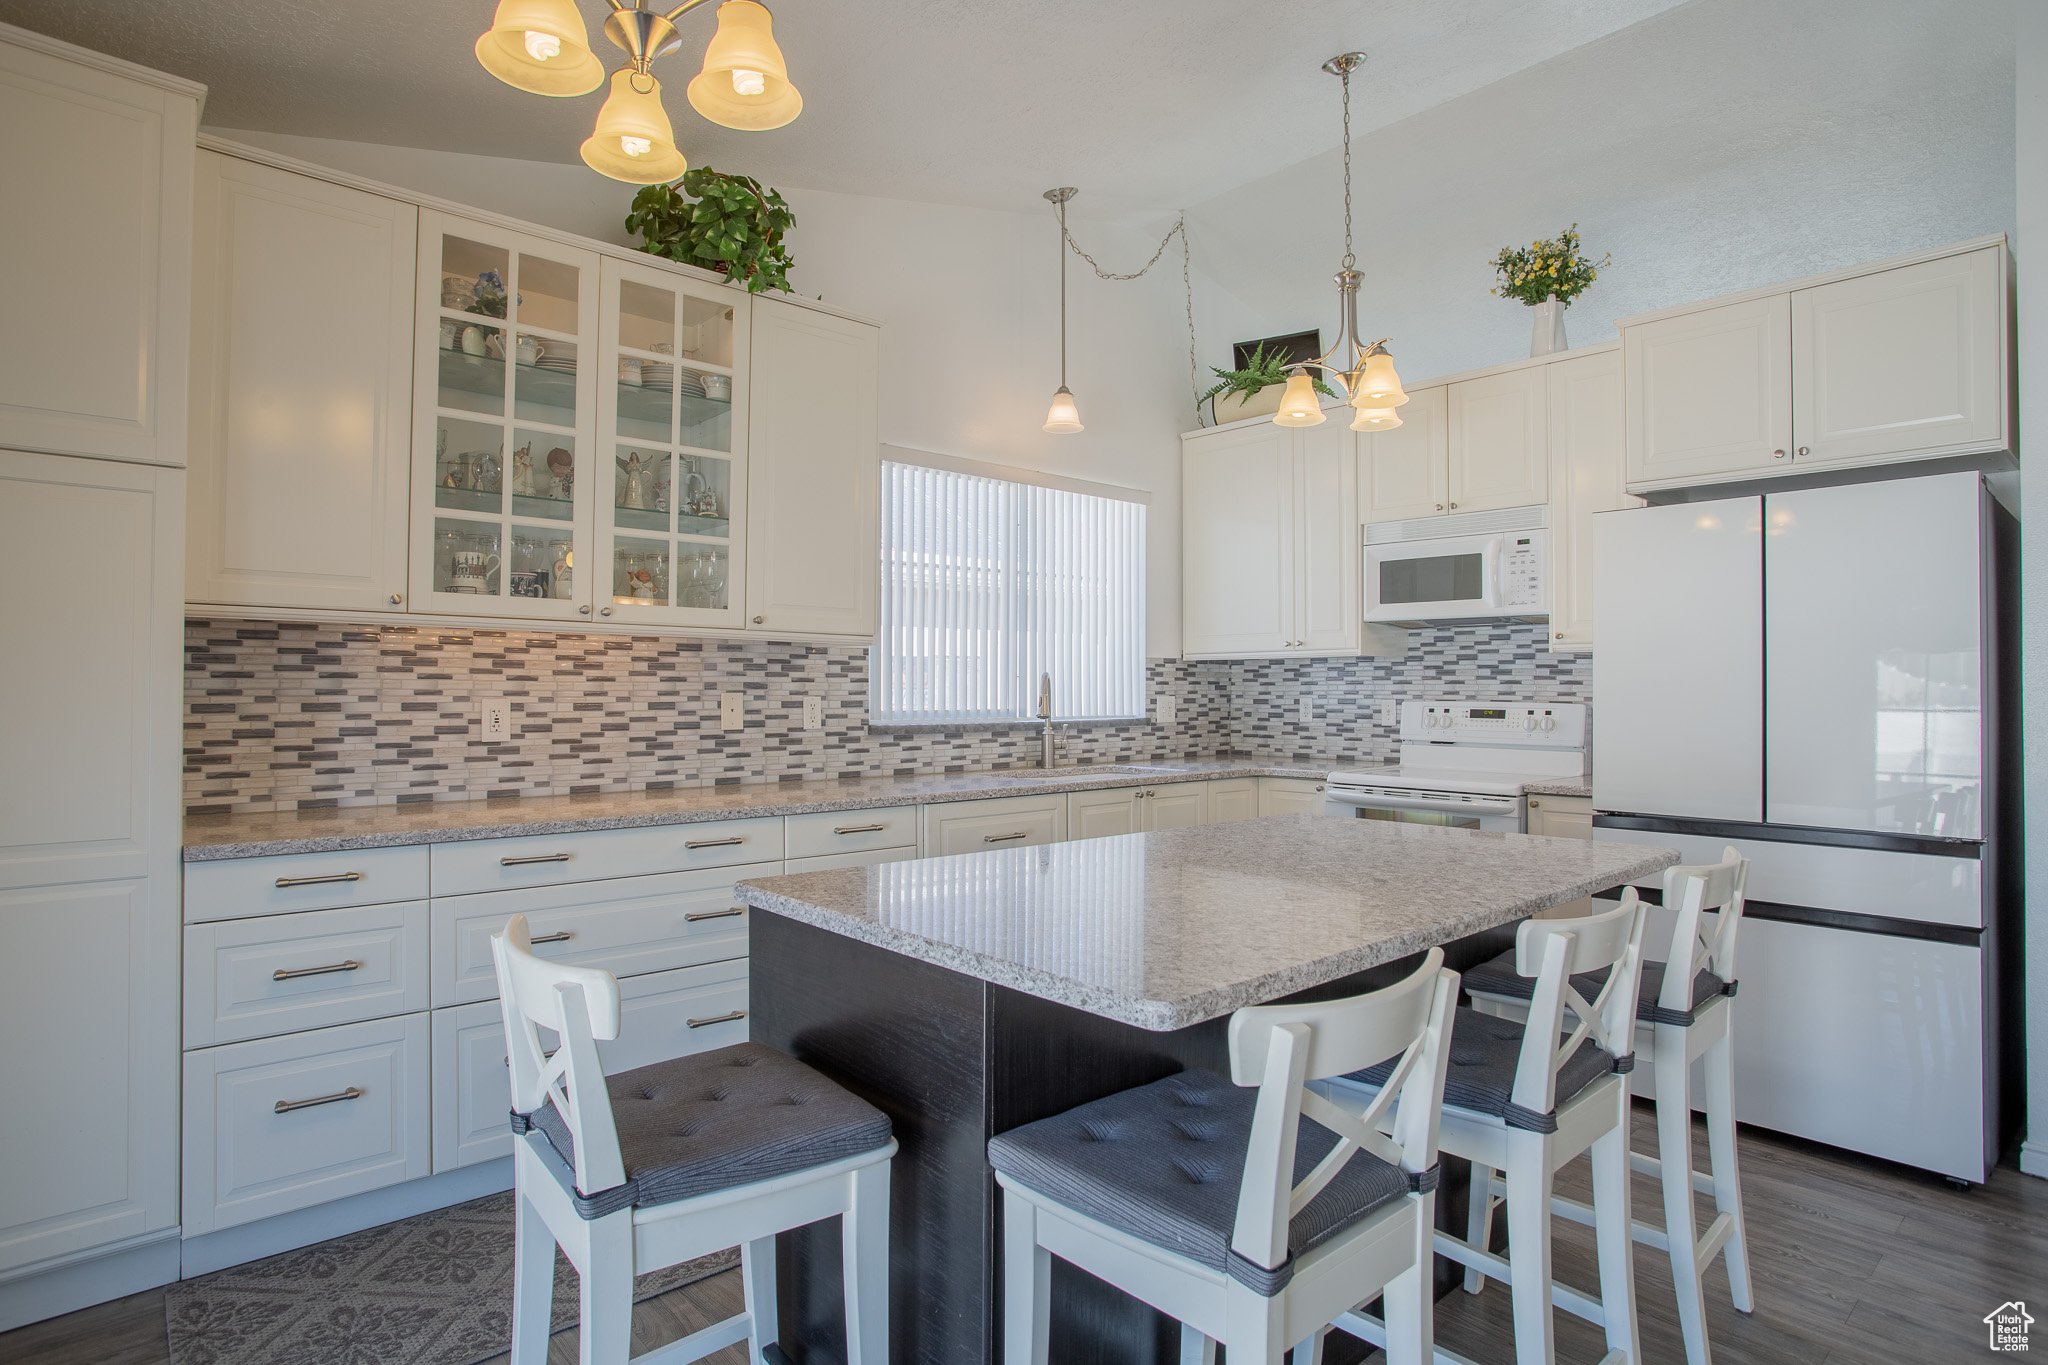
(505, 424)
(671, 484)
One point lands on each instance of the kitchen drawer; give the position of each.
(370, 1125)
(1001, 822)
(254, 978)
(628, 926)
(830, 861)
(552, 859)
(235, 888)
(849, 831)
(473, 1089)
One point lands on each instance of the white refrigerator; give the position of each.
(1816, 677)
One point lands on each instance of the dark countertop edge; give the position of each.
(1164, 1016)
(1000, 783)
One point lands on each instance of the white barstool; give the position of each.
(1255, 1219)
(669, 1162)
(1685, 1016)
(1517, 1102)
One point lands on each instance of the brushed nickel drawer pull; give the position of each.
(716, 1019)
(294, 973)
(1005, 838)
(693, 917)
(320, 881)
(715, 843)
(534, 858)
(287, 1106)
(559, 936)
(859, 829)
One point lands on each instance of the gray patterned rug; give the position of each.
(435, 1289)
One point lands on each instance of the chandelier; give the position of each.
(541, 46)
(1363, 373)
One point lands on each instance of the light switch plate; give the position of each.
(1163, 708)
(732, 710)
(494, 717)
(814, 713)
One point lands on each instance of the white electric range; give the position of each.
(1464, 764)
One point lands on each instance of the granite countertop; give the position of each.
(335, 829)
(1577, 786)
(1168, 929)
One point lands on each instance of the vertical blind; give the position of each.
(986, 584)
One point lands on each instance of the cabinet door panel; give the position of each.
(302, 390)
(1237, 512)
(1499, 439)
(1290, 796)
(1094, 815)
(1177, 806)
(1587, 471)
(1901, 361)
(1710, 392)
(1405, 471)
(1327, 538)
(1233, 798)
(814, 473)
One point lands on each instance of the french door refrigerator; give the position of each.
(1815, 677)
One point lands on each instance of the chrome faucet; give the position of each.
(1048, 747)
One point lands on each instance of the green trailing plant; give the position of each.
(1261, 369)
(721, 222)
(1543, 270)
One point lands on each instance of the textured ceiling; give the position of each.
(1148, 104)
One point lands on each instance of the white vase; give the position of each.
(1548, 333)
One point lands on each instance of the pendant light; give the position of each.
(1365, 373)
(744, 83)
(540, 46)
(1063, 418)
(633, 141)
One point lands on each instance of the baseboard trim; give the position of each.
(213, 1251)
(80, 1282)
(2034, 1158)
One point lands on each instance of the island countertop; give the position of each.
(1168, 929)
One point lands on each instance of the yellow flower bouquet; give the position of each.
(1545, 270)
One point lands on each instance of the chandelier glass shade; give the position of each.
(541, 47)
(633, 141)
(1299, 406)
(744, 83)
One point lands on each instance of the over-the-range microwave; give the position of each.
(1466, 567)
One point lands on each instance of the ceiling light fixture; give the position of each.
(1063, 418)
(1364, 373)
(541, 46)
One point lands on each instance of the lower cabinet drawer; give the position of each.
(285, 1123)
(830, 861)
(849, 831)
(998, 822)
(627, 925)
(668, 1014)
(254, 978)
(234, 888)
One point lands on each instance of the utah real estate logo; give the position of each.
(2008, 1324)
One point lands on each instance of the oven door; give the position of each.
(1433, 580)
(1455, 810)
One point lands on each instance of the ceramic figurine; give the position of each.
(522, 471)
(643, 585)
(635, 494)
(564, 573)
(561, 474)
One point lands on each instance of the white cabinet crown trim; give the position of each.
(1933, 253)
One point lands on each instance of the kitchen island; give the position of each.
(970, 995)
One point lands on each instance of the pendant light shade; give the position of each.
(540, 46)
(744, 83)
(1299, 406)
(1376, 419)
(633, 141)
(1378, 386)
(1063, 418)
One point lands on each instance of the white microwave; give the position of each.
(1457, 577)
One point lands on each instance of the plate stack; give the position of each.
(689, 382)
(560, 364)
(657, 374)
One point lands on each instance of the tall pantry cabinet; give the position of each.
(96, 270)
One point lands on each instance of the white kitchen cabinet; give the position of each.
(301, 421)
(1290, 796)
(1233, 798)
(1136, 810)
(1499, 440)
(1405, 473)
(504, 450)
(1909, 361)
(997, 822)
(1327, 615)
(1710, 392)
(813, 473)
(1177, 805)
(1587, 476)
(95, 252)
(1561, 817)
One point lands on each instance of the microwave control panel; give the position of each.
(1521, 572)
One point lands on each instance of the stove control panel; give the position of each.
(1514, 724)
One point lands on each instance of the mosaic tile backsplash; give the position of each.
(281, 716)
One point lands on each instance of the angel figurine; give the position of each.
(643, 585)
(522, 471)
(635, 494)
(561, 474)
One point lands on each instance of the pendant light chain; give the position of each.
(1179, 229)
(1063, 294)
(1350, 262)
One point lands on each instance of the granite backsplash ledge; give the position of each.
(284, 716)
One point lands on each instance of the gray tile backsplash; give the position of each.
(281, 716)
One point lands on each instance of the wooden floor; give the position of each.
(1855, 1262)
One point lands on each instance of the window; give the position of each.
(989, 583)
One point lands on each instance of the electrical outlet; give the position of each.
(1305, 712)
(732, 710)
(494, 717)
(1163, 708)
(1389, 713)
(814, 713)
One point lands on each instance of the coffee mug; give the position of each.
(530, 350)
(718, 386)
(449, 340)
(470, 568)
(527, 583)
(629, 371)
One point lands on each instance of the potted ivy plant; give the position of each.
(728, 223)
(1255, 390)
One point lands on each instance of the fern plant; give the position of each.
(1261, 369)
(721, 222)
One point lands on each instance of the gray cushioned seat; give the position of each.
(1164, 1163)
(1498, 977)
(1484, 1053)
(711, 1121)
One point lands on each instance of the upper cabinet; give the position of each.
(302, 327)
(1405, 473)
(1472, 445)
(814, 473)
(1586, 449)
(1895, 361)
(95, 252)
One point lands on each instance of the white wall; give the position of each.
(2030, 251)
